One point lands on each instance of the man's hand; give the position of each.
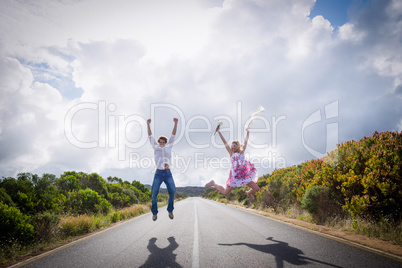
(149, 127)
(175, 126)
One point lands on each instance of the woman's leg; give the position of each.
(220, 188)
(254, 188)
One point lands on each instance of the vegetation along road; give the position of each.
(205, 233)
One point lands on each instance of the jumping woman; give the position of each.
(242, 172)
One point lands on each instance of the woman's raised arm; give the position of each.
(246, 140)
(224, 142)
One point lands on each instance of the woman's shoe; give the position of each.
(210, 184)
(250, 195)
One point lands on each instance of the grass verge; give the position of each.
(69, 227)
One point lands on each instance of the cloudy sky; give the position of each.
(78, 79)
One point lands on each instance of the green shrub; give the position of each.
(278, 192)
(14, 226)
(104, 206)
(5, 198)
(320, 203)
(163, 197)
(87, 201)
(119, 200)
(45, 225)
(116, 216)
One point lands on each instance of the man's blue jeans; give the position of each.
(166, 177)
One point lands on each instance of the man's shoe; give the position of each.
(154, 217)
(171, 215)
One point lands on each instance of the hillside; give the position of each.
(188, 190)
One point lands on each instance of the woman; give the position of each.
(242, 172)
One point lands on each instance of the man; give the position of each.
(163, 155)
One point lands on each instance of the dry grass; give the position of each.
(76, 225)
(82, 224)
(131, 212)
(383, 230)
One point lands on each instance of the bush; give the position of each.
(87, 201)
(116, 216)
(319, 202)
(45, 225)
(5, 198)
(119, 200)
(369, 176)
(14, 226)
(278, 192)
(104, 206)
(241, 195)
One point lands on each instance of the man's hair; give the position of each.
(163, 138)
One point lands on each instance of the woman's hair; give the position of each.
(163, 138)
(238, 145)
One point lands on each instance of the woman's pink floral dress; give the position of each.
(241, 172)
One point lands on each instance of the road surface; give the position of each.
(209, 234)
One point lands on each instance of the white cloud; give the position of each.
(29, 118)
(199, 61)
(347, 32)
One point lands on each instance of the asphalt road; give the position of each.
(209, 234)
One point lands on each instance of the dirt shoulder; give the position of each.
(363, 240)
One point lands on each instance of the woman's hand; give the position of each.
(149, 121)
(218, 127)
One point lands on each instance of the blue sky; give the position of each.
(336, 11)
(76, 87)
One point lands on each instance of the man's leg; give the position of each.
(171, 187)
(156, 184)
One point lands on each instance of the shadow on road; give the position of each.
(283, 253)
(161, 257)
